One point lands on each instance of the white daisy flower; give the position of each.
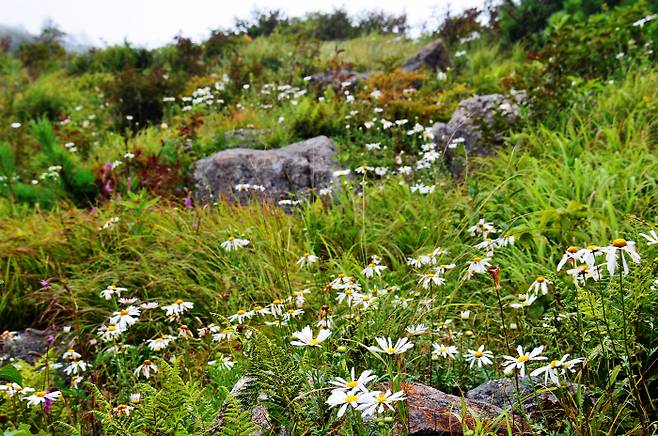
(622, 248)
(556, 366)
(378, 401)
(519, 362)
(178, 308)
(232, 244)
(478, 265)
(305, 337)
(449, 351)
(40, 397)
(539, 285)
(160, 343)
(386, 346)
(571, 253)
(416, 330)
(353, 383)
(307, 259)
(344, 399)
(481, 356)
(146, 368)
(124, 318)
(224, 362)
(76, 367)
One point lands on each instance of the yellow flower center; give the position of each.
(390, 350)
(40, 394)
(241, 312)
(524, 358)
(366, 298)
(258, 307)
(307, 254)
(371, 265)
(555, 363)
(349, 292)
(183, 327)
(231, 238)
(352, 384)
(429, 276)
(313, 341)
(540, 279)
(70, 350)
(477, 259)
(443, 349)
(381, 399)
(351, 398)
(124, 312)
(277, 301)
(111, 328)
(572, 249)
(591, 247)
(179, 302)
(619, 243)
(583, 268)
(478, 354)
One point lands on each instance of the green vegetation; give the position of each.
(158, 306)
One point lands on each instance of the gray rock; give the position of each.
(434, 55)
(28, 345)
(298, 168)
(338, 79)
(503, 394)
(479, 124)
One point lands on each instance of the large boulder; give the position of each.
(239, 173)
(432, 412)
(434, 55)
(478, 124)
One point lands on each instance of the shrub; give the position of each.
(139, 95)
(43, 99)
(602, 47)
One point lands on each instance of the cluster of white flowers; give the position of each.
(31, 396)
(584, 263)
(354, 393)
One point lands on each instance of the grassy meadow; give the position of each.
(540, 259)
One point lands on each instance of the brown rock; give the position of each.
(432, 412)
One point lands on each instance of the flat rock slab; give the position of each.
(297, 168)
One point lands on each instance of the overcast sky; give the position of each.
(155, 22)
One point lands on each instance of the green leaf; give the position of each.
(22, 430)
(11, 374)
